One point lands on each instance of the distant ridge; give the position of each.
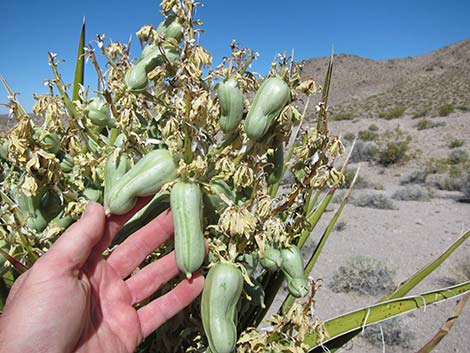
(420, 84)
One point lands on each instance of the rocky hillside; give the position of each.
(430, 84)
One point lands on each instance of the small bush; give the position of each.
(364, 152)
(412, 193)
(343, 116)
(363, 275)
(340, 226)
(361, 183)
(375, 200)
(429, 124)
(458, 156)
(373, 127)
(420, 113)
(460, 272)
(448, 183)
(465, 187)
(350, 136)
(415, 177)
(367, 135)
(393, 147)
(394, 113)
(446, 109)
(394, 334)
(455, 143)
(393, 152)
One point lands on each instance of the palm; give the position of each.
(84, 303)
(112, 323)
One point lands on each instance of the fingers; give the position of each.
(73, 247)
(115, 222)
(157, 312)
(148, 280)
(136, 248)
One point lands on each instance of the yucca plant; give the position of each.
(213, 143)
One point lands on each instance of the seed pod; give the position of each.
(274, 170)
(186, 209)
(51, 205)
(214, 202)
(268, 103)
(221, 293)
(136, 77)
(272, 259)
(50, 142)
(114, 169)
(4, 150)
(171, 27)
(38, 209)
(146, 178)
(231, 103)
(66, 164)
(293, 268)
(98, 112)
(92, 194)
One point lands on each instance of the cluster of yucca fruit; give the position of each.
(212, 144)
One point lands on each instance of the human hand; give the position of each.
(74, 300)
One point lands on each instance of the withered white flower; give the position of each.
(237, 221)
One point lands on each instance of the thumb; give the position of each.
(72, 249)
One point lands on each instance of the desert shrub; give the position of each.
(338, 196)
(361, 182)
(436, 166)
(447, 182)
(350, 136)
(460, 272)
(363, 275)
(463, 107)
(465, 187)
(375, 200)
(429, 124)
(340, 226)
(393, 147)
(420, 113)
(394, 333)
(367, 135)
(455, 143)
(373, 127)
(393, 152)
(458, 156)
(412, 193)
(446, 109)
(415, 177)
(393, 113)
(342, 116)
(364, 151)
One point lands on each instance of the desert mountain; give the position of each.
(418, 85)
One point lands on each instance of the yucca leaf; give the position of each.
(322, 123)
(11, 93)
(414, 280)
(80, 66)
(402, 290)
(18, 266)
(358, 319)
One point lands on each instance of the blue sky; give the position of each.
(369, 28)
